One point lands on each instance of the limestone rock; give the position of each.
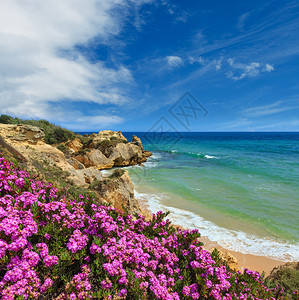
(11, 151)
(137, 141)
(21, 133)
(88, 175)
(231, 261)
(95, 158)
(119, 190)
(147, 153)
(75, 145)
(126, 154)
(75, 163)
(107, 135)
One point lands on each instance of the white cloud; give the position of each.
(199, 59)
(268, 68)
(92, 123)
(39, 62)
(218, 64)
(269, 109)
(252, 69)
(241, 21)
(174, 61)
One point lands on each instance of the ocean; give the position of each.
(240, 189)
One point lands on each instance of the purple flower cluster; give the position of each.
(47, 237)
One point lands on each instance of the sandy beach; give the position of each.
(249, 261)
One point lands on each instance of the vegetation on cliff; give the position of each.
(54, 245)
(53, 134)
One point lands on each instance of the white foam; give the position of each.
(106, 173)
(155, 156)
(211, 156)
(230, 239)
(150, 164)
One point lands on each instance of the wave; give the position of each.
(155, 156)
(210, 156)
(230, 239)
(192, 154)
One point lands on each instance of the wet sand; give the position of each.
(249, 261)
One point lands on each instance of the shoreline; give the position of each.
(250, 261)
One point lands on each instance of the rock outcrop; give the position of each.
(86, 175)
(21, 133)
(118, 190)
(107, 135)
(80, 160)
(75, 145)
(109, 149)
(126, 155)
(231, 261)
(137, 141)
(95, 158)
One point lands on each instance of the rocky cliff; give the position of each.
(79, 161)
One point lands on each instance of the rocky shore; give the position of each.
(79, 161)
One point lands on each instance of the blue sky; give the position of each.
(122, 65)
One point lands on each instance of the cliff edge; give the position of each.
(79, 161)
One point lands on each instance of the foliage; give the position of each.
(5, 119)
(116, 174)
(57, 246)
(53, 134)
(286, 276)
(62, 147)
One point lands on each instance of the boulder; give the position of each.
(126, 154)
(118, 190)
(137, 141)
(89, 175)
(231, 261)
(21, 133)
(147, 153)
(95, 158)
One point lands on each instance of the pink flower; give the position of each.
(47, 236)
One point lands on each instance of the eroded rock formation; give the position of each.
(80, 160)
(118, 190)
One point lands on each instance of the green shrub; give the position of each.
(286, 276)
(62, 147)
(116, 174)
(5, 119)
(53, 134)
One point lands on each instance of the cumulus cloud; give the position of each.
(252, 69)
(40, 63)
(174, 61)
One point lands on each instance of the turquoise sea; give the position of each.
(239, 189)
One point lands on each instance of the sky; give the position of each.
(150, 65)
